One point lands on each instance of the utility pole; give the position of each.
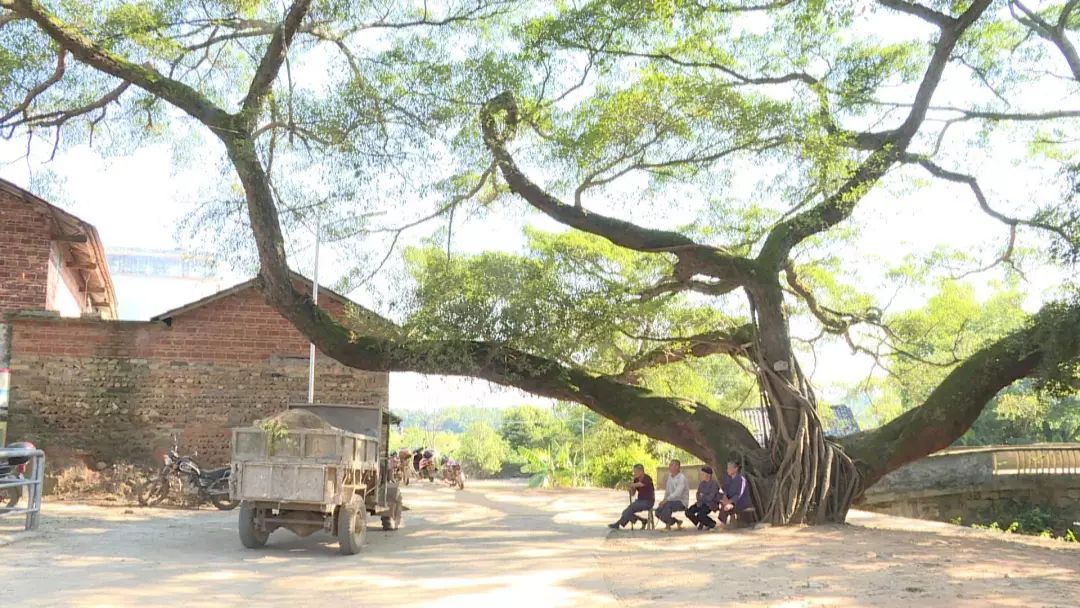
(315, 300)
(583, 443)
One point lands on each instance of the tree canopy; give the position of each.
(717, 172)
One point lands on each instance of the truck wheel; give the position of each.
(351, 526)
(250, 535)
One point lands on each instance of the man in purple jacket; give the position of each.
(736, 493)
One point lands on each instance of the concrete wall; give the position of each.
(692, 472)
(980, 486)
(117, 390)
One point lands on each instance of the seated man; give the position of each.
(707, 499)
(646, 496)
(676, 495)
(736, 493)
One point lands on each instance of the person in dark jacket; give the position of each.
(706, 500)
(736, 493)
(646, 497)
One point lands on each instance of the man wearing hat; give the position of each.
(707, 499)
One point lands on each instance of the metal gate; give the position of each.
(29, 486)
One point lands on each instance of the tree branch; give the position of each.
(55, 77)
(693, 258)
(922, 12)
(953, 406)
(271, 61)
(973, 184)
(676, 285)
(732, 341)
(143, 76)
(838, 206)
(60, 117)
(967, 114)
(1056, 34)
(739, 77)
(833, 321)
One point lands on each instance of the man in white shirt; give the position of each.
(676, 496)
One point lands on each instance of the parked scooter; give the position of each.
(427, 465)
(183, 474)
(13, 469)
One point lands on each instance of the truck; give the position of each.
(312, 468)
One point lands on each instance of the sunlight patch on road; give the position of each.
(217, 575)
(86, 530)
(89, 561)
(538, 588)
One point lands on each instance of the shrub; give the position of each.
(614, 468)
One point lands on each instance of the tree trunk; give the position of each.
(813, 481)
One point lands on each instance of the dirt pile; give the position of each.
(116, 483)
(296, 419)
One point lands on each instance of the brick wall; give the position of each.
(117, 390)
(25, 233)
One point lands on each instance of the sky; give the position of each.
(136, 201)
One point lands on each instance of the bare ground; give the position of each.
(499, 544)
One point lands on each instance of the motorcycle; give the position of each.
(190, 480)
(427, 467)
(453, 475)
(13, 469)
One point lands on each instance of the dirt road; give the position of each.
(497, 544)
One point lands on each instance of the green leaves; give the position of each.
(549, 468)
(482, 449)
(572, 297)
(861, 69)
(953, 324)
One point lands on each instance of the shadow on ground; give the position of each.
(499, 544)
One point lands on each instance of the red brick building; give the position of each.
(50, 259)
(119, 390)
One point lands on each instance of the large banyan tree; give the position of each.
(709, 161)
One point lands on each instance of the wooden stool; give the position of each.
(744, 518)
(650, 523)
